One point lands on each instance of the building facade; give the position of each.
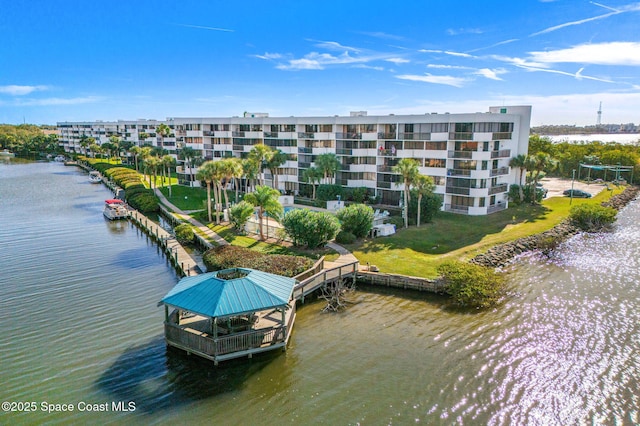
(467, 155)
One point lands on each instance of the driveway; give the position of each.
(556, 186)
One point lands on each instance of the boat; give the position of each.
(115, 209)
(7, 154)
(60, 158)
(95, 177)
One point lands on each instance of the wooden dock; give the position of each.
(324, 277)
(182, 261)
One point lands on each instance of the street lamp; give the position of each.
(573, 178)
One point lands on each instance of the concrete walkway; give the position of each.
(345, 257)
(182, 215)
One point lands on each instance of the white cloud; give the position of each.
(333, 45)
(458, 31)
(269, 56)
(15, 90)
(613, 53)
(448, 67)
(59, 101)
(398, 61)
(491, 74)
(435, 79)
(462, 55)
(200, 27)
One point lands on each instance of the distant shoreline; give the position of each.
(624, 138)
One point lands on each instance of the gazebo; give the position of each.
(230, 313)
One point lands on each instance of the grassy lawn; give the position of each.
(186, 198)
(419, 251)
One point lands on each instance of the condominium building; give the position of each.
(467, 155)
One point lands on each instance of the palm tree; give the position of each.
(135, 151)
(189, 156)
(329, 164)
(313, 175)
(277, 159)
(151, 165)
(206, 173)
(266, 199)
(232, 170)
(168, 162)
(261, 154)
(163, 130)
(538, 163)
(114, 147)
(519, 162)
(424, 185)
(250, 171)
(408, 169)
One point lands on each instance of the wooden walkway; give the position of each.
(183, 262)
(322, 278)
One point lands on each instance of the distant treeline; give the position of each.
(565, 129)
(28, 140)
(568, 156)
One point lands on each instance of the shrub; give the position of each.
(309, 228)
(430, 205)
(184, 233)
(356, 219)
(592, 217)
(472, 285)
(239, 214)
(345, 237)
(326, 192)
(225, 257)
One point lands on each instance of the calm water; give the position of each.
(80, 325)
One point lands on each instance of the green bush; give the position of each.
(309, 228)
(592, 217)
(225, 257)
(239, 214)
(326, 192)
(472, 285)
(184, 233)
(356, 219)
(345, 237)
(430, 206)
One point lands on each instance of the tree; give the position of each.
(356, 219)
(537, 164)
(313, 175)
(519, 162)
(151, 165)
(231, 169)
(163, 130)
(239, 214)
(408, 169)
(189, 156)
(277, 159)
(85, 142)
(424, 186)
(329, 164)
(168, 162)
(95, 149)
(472, 285)
(206, 173)
(309, 228)
(261, 154)
(266, 200)
(114, 147)
(135, 151)
(250, 171)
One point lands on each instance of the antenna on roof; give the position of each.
(599, 115)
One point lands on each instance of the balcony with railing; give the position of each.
(348, 135)
(387, 152)
(503, 153)
(500, 171)
(458, 190)
(501, 135)
(237, 134)
(496, 208)
(456, 208)
(304, 150)
(208, 133)
(459, 172)
(306, 135)
(461, 136)
(415, 136)
(460, 154)
(496, 189)
(383, 135)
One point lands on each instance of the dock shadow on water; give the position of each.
(159, 378)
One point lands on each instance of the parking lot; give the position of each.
(556, 186)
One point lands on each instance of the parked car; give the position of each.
(577, 193)
(541, 190)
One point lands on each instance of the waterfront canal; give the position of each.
(80, 326)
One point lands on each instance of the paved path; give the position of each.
(345, 257)
(183, 215)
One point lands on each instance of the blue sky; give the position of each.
(64, 60)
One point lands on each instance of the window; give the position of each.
(485, 164)
(482, 201)
(435, 146)
(464, 127)
(435, 162)
(408, 128)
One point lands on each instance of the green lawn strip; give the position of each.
(419, 251)
(185, 197)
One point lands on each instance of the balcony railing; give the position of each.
(498, 188)
(459, 190)
(455, 208)
(348, 135)
(500, 171)
(385, 169)
(208, 133)
(503, 153)
(384, 185)
(237, 134)
(461, 136)
(387, 152)
(416, 136)
(343, 151)
(460, 154)
(382, 135)
(501, 135)
(304, 150)
(305, 135)
(459, 172)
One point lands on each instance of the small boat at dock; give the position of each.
(115, 209)
(5, 153)
(95, 177)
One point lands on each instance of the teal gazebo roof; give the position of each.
(210, 296)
